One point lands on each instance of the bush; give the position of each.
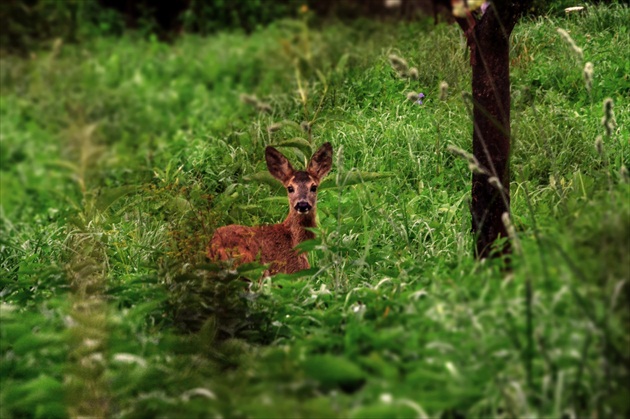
(27, 23)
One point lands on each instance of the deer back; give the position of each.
(273, 244)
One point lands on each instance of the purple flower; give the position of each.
(419, 101)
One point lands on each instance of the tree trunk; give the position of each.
(490, 60)
(489, 41)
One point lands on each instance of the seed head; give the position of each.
(599, 145)
(565, 35)
(443, 90)
(476, 168)
(473, 164)
(249, 99)
(509, 227)
(264, 107)
(505, 218)
(274, 127)
(494, 181)
(588, 75)
(459, 152)
(623, 174)
(608, 120)
(413, 73)
(252, 100)
(399, 64)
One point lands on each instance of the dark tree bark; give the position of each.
(488, 37)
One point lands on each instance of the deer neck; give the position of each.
(297, 225)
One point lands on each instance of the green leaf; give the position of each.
(334, 371)
(280, 199)
(308, 245)
(63, 164)
(299, 143)
(41, 391)
(384, 410)
(247, 269)
(109, 196)
(321, 77)
(263, 177)
(297, 275)
(353, 178)
(341, 64)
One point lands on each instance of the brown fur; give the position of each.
(275, 244)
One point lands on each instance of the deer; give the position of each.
(275, 244)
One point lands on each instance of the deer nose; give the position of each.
(303, 207)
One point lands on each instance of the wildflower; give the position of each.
(565, 35)
(420, 97)
(415, 97)
(608, 120)
(443, 90)
(588, 75)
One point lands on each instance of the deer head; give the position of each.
(301, 185)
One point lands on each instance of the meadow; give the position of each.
(121, 155)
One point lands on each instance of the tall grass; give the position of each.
(121, 156)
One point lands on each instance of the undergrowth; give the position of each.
(119, 158)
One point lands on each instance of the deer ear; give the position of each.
(278, 165)
(321, 162)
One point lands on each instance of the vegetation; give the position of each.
(120, 156)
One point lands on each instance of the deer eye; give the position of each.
(290, 189)
(314, 188)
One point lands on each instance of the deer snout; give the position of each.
(303, 207)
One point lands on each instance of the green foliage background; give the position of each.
(120, 156)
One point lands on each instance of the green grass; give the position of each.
(120, 156)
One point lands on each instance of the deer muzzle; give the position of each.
(303, 207)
